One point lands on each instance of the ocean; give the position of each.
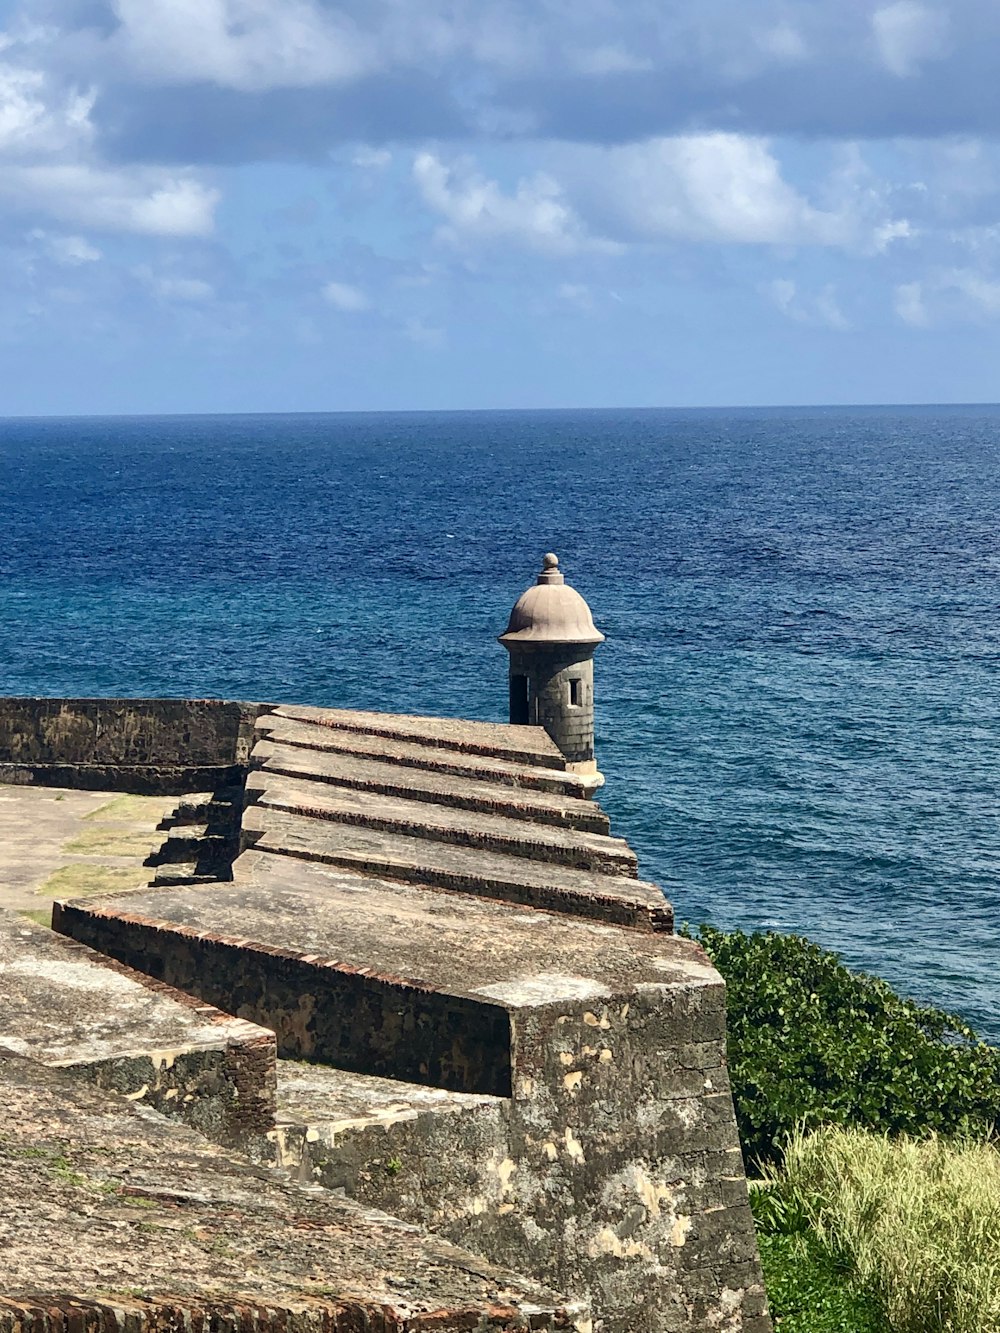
(797, 701)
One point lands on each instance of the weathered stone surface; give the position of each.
(423, 785)
(183, 733)
(609, 898)
(525, 745)
(136, 1223)
(68, 1007)
(56, 842)
(609, 1041)
(414, 754)
(443, 823)
(426, 1152)
(516, 1055)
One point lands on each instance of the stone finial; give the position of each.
(551, 573)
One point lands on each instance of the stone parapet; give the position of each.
(67, 1006)
(494, 1032)
(613, 1171)
(146, 746)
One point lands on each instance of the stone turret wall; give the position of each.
(560, 695)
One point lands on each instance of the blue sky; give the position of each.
(285, 205)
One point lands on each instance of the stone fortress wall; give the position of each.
(428, 977)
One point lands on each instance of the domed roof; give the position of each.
(551, 612)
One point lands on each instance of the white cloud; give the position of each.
(709, 187)
(909, 305)
(171, 287)
(612, 58)
(783, 43)
(150, 201)
(342, 296)
(36, 121)
(423, 334)
(907, 34)
(576, 294)
(822, 310)
(69, 250)
(475, 208)
(249, 45)
(371, 159)
(981, 295)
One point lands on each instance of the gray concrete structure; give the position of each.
(551, 639)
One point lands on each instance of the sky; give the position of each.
(302, 205)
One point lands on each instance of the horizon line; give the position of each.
(468, 411)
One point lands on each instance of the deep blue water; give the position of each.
(798, 704)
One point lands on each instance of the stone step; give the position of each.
(181, 872)
(421, 785)
(385, 978)
(66, 1006)
(442, 823)
(411, 754)
(388, 1143)
(521, 745)
(190, 842)
(191, 809)
(467, 870)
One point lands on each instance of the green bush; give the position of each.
(913, 1225)
(812, 1043)
(809, 1290)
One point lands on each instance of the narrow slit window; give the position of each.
(519, 700)
(576, 692)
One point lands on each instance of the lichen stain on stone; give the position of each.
(592, 1021)
(572, 1082)
(574, 1147)
(606, 1056)
(505, 1170)
(567, 1057)
(652, 1193)
(606, 1242)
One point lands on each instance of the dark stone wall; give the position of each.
(138, 745)
(550, 672)
(319, 1011)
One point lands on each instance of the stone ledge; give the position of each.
(499, 740)
(574, 848)
(67, 1006)
(380, 775)
(612, 899)
(411, 754)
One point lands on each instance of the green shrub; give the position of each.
(809, 1290)
(916, 1223)
(812, 1043)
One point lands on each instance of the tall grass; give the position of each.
(918, 1222)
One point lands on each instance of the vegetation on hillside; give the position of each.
(871, 1119)
(812, 1043)
(906, 1230)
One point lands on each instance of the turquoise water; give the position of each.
(798, 705)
